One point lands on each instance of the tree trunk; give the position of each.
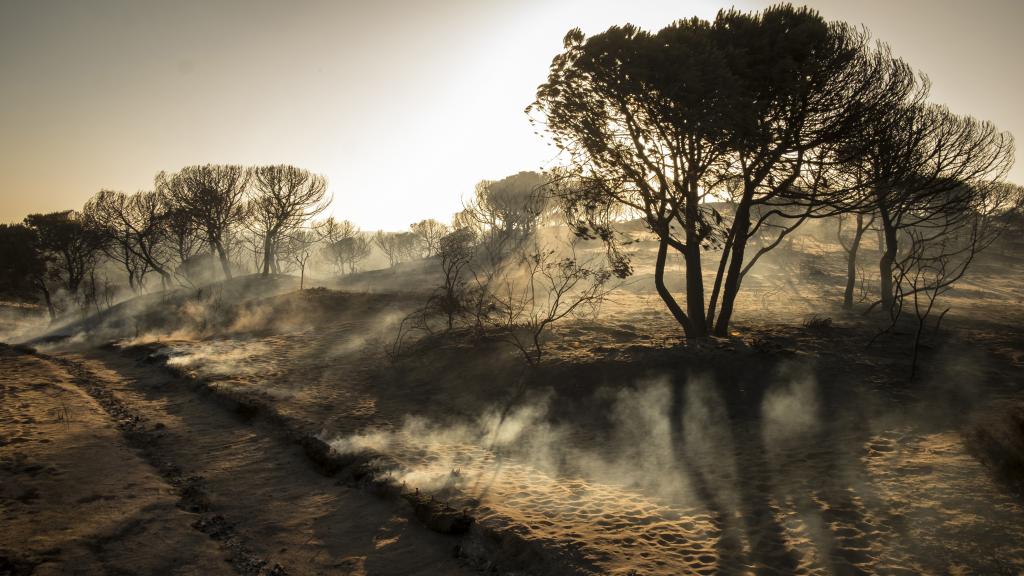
(223, 255)
(694, 272)
(47, 299)
(267, 254)
(666, 296)
(719, 275)
(128, 268)
(887, 261)
(851, 263)
(741, 227)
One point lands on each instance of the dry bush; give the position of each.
(997, 439)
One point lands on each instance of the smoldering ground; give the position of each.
(650, 459)
(783, 447)
(655, 426)
(771, 467)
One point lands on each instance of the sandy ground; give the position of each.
(263, 506)
(74, 498)
(829, 466)
(782, 450)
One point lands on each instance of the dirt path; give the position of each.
(245, 486)
(74, 497)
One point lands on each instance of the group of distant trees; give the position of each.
(193, 219)
(729, 134)
(198, 224)
(501, 278)
(47, 254)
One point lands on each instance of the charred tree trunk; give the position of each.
(887, 260)
(47, 298)
(127, 256)
(694, 272)
(666, 296)
(268, 252)
(851, 263)
(719, 275)
(741, 227)
(223, 256)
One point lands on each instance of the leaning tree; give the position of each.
(933, 174)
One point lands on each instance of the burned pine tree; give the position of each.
(69, 243)
(504, 214)
(932, 174)
(285, 198)
(212, 198)
(397, 247)
(24, 268)
(344, 245)
(297, 247)
(137, 228)
(107, 212)
(749, 108)
(430, 232)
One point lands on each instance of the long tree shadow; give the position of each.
(753, 517)
(783, 506)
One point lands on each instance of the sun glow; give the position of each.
(404, 107)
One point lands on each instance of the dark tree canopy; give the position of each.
(750, 108)
(22, 266)
(67, 244)
(504, 214)
(285, 199)
(136, 229)
(211, 197)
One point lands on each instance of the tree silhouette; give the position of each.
(298, 247)
(430, 232)
(347, 253)
(68, 245)
(750, 108)
(285, 199)
(930, 170)
(212, 198)
(106, 212)
(396, 246)
(23, 267)
(456, 252)
(136, 227)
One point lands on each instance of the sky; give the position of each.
(403, 106)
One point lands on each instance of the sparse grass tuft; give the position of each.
(816, 322)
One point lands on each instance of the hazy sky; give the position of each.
(404, 106)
